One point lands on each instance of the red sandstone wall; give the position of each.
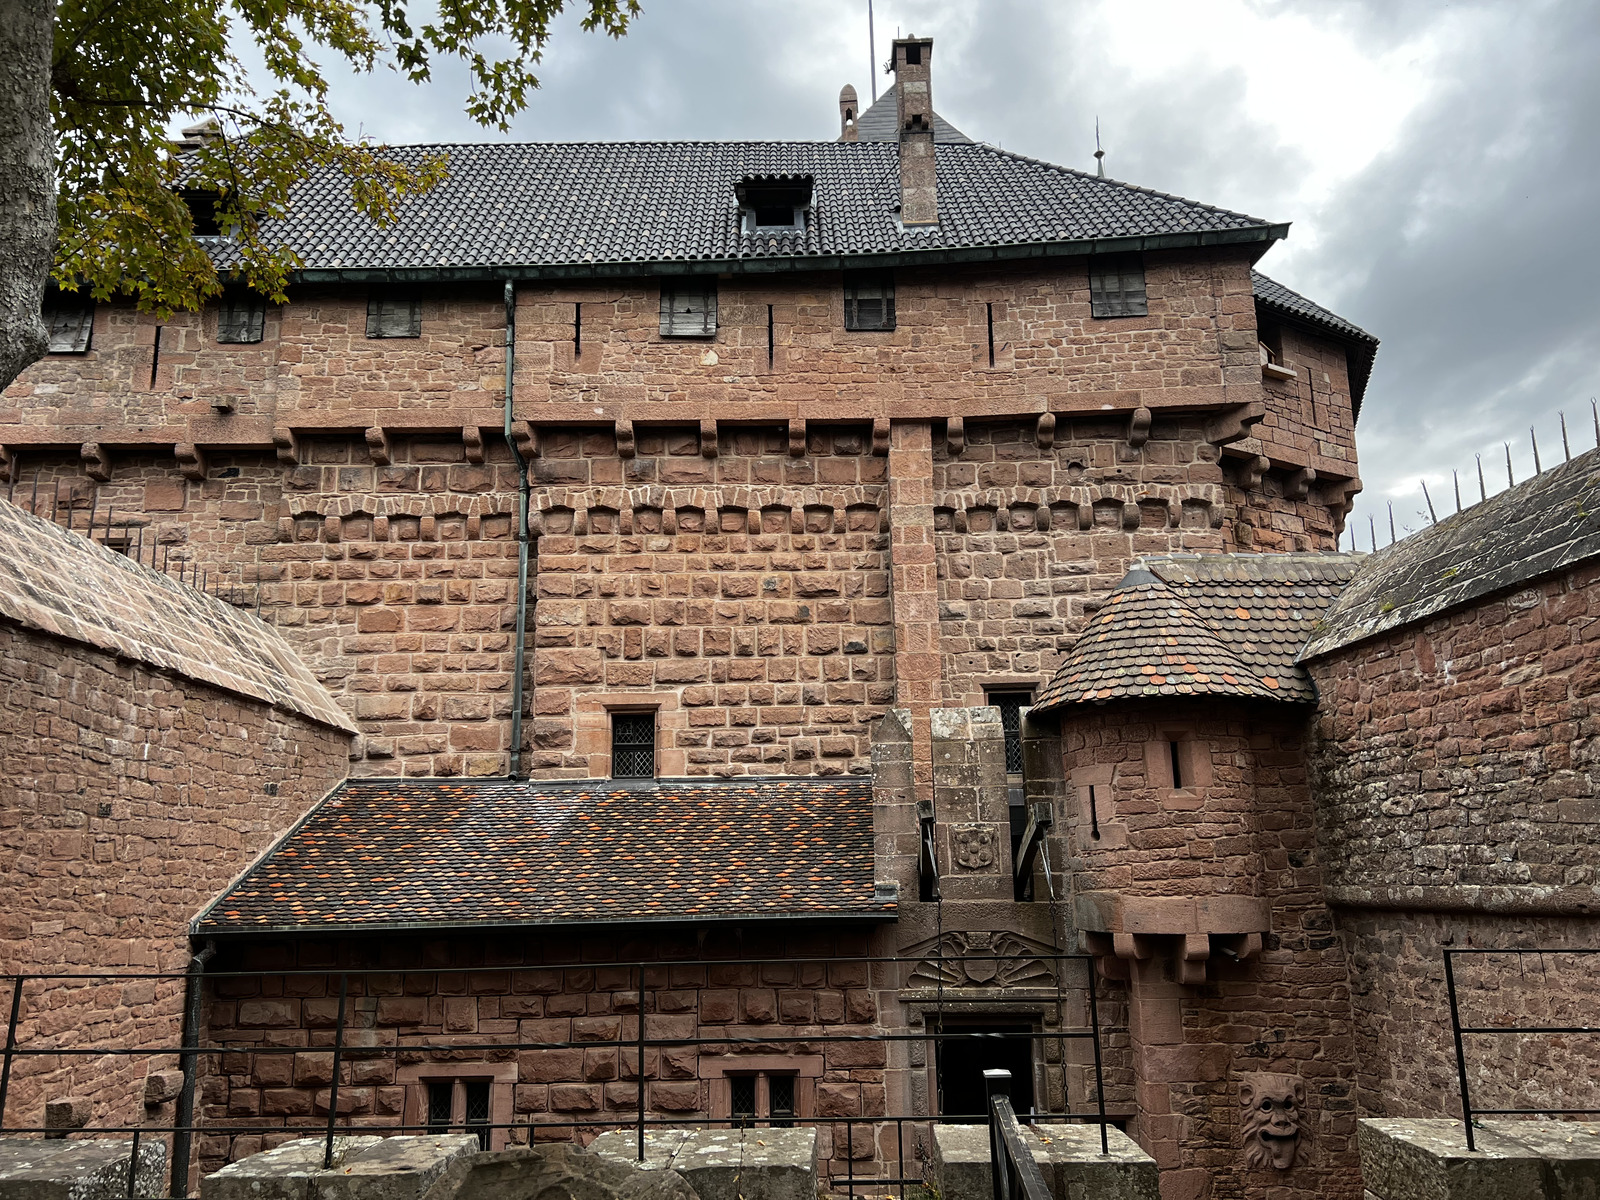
(1457, 805)
(130, 799)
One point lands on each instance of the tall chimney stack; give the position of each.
(919, 190)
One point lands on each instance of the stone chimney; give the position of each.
(849, 110)
(919, 192)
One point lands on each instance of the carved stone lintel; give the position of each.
(287, 445)
(472, 438)
(378, 446)
(998, 959)
(1234, 425)
(880, 437)
(1272, 1120)
(626, 446)
(1139, 427)
(191, 461)
(1045, 431)
(526, 437)
(797, 437)
(708, 439)
(10, 466)
(1298, 485)
(955, 436)
(96, 461)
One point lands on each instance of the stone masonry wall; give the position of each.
(1458, 804)
(131, 798)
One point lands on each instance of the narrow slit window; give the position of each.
(990, 308)
(1011, 705)
(868, 301)
(1177, 764)
(1094, 814)
(577, 331)
(688, 307)
(633, 745)
(1116, 286)
(69, 326)
(771, 341)
(241, 320)
(392, 314)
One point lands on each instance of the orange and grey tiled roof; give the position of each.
(1203, 625)
(401, 854)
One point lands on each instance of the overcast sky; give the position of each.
(1439, 161)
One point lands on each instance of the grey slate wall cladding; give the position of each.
(1544, 525)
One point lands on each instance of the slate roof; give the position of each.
(881, 122)
(1545, 524)
(590, 208)
(61, 583)
(1361, 346)
(1203, 625)
(387, 854)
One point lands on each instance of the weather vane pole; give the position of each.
(1099, 154)
(872, 55)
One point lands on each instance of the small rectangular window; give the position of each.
(70, 325)
(688, 307)
(743, 1089)
(780, 1100)
(393, 314)
(1011, 705)
(242, 319)
(477, 1110)
(441, 1093)
(1116, 286)
(868, 300)
(633, 745)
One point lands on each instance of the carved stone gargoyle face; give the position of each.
(974, 846)
(1272, 1120)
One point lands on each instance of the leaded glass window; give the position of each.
(633, 745)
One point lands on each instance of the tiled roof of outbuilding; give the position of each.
(1360, 346)
(384, 854)
(1545, 524)
(61, 583)
(1203, 625)
(620, 207)
(881, 122)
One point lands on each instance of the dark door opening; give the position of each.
(962, 1060)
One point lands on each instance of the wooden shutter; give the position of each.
(869, 301)
(393, 314)
(241, 321)
(69, 329)
(1116, 287)
(688, 307)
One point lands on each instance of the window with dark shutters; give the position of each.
(868, 300)
(633, 745)
(70, 325)
(241, 320)
(688, 307)
(393, 314)
(1116, 286)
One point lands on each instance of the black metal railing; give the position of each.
(635, 1037)
(1015, 1173)
(1459, 1032)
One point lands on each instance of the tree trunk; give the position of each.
(27, 179)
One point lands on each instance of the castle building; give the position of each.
(783, 555)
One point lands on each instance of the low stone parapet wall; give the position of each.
(1428, 1159)
(51, 1169)
(725, 1164)
(1068, 1155)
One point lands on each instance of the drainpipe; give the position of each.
(526, 493)
(183, 1135)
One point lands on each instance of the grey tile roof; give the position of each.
(1548, 523)
(1360, 345)
(391, 853)
(881, 122)
(656, 207)
(1203, 625)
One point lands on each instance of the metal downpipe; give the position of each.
(525, 497)
(183, 1133)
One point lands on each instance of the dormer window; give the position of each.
(773, 203)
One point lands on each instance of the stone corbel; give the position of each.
(96, 462)
(191, 461)
(472, 439)
(10, 467)
(955, 436)
(1298, 485)
(797, 437)
(525, 435)
(626, 445)
(1139, 427)
(1340, 497)
(287, 445)
(1252, 471)
(880, 437)
(1045, 431)
(708, 439)
(1132, 518)
(378, 446)
(1235, 424)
